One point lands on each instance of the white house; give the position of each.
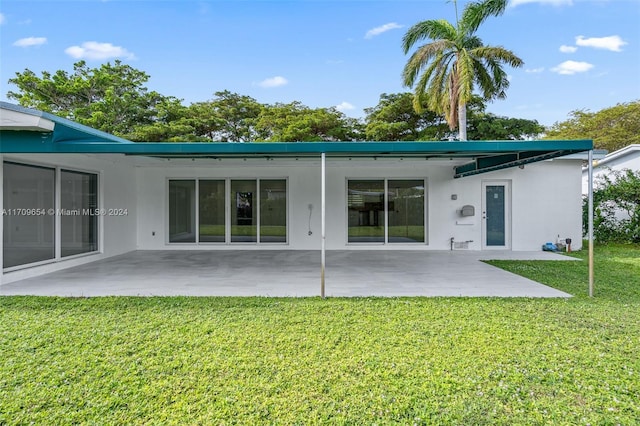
(72, 195)
(624, 158)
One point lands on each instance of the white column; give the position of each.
(590, 230)
(2, 222)
(322, 221)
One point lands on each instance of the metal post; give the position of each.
(322, 222)
(590, 231)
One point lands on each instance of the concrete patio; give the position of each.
(292, 273)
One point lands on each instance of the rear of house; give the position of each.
(72, 195)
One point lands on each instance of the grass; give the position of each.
(244, 230)
(338, 361)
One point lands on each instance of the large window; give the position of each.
(79, 203)
(252, 211)
(244, 211)
(35, 214)
(212, 211)
(182, 211)
(386, 211)
(365, 201)
(28, 222)
(406, 211)
(273, 211)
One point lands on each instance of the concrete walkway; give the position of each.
(291, 273)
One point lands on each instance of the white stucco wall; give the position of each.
(546, 201)
(117, 187)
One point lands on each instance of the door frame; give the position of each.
(507, 213)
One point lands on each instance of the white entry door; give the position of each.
(496, 214)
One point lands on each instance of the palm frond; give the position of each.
(438, 90)
(421, 58)
(485, 78)
(466, 76)
(475, 13)
(428, 30)
(499, 53)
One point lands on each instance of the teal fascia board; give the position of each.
(287, 149)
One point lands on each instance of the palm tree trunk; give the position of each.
(462, 121)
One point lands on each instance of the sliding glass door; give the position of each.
(182, 211)
(386, 211)
(406, 206)
(79, 197)
(28, 219)
(365, 202)
(211, 218)
(244, 213)
(49, 213)
(273, 211)
(227, 210)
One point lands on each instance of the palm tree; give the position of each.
(454, 61)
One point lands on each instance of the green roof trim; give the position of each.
(64, 130)
(484, 156)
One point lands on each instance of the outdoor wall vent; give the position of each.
(467, 210)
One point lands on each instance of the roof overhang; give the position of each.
(477, 157)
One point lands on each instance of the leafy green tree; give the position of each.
(616, 202)
(172, 124)
(228, 117)
(611, 128)
(111, 98)
(395, 119)
(294, 122)
(487, 126)
(447, 69)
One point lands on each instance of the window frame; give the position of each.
(386, 241)
(57, 206)
(228, 206)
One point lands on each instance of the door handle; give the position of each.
(484, 215)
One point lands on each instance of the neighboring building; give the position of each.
(72, 195)
(625, 158)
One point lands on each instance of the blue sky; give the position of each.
(578, 54)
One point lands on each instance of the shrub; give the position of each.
(616, 207)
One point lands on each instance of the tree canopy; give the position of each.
(395, 119)
(446, 70)
(295, 122)
(611, 128)
(112, 98)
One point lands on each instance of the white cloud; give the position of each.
(2, 19)
(515, 3)
(568, 49)
(30, 41)
(613, 43)
(95, 50)
(572, 67)
(534, 70)
(276, 81)
(382, 29)
(344, 106)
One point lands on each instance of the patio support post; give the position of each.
(322, 221)
(590, 230)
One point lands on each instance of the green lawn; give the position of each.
(338, 361)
